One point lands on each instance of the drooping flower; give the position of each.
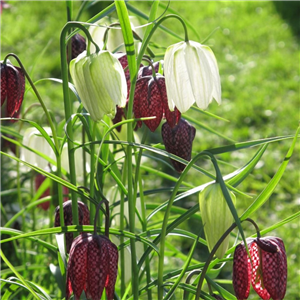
(179, 140)
(150, 99)
(216, 216)
(92, 266)
(83, 218)
(38, 180)
(12, 88)
(34, 140)
(100, 81)
(78, 45)
(192, 75)
(266, 268)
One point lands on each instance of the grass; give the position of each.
(257, 49)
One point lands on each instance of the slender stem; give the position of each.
(129, 44)
(214, 250)
(147, 39)
(68, 108)
(165, 225)
(92, 171)
(53, 130)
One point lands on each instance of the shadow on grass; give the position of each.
(290, 11)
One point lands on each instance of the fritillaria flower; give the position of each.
(150, 99)
(92, 266)
(179, 140)
(266, 268)
(38, 180)
(34, 140)
(216, 216)
(83, 215)
(192, 75)
(12, 88)
(78, 45)
(100, 81)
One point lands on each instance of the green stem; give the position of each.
(214, 250)
(129, 44)
(68, 108)
(92, 171)
(53, 130)
(147, 39)
(160, 282)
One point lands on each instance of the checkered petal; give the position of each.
(3, 85)
(113, 269)
(179, 141)
(98, 267)
(241, 276)
(148, 101)
(77, 266)
(257, 272)
(83, 218)
(275, 269)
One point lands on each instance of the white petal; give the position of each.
(214, 73)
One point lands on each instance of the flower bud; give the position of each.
(12, 88)
(216, 216)
(83, 216)
(100, 81)
(92, 266)
(192, 75)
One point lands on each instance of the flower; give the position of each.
(100, 81)
(83, 215)
(179, 140)
(216, 216)
(38, 180)
(150, 99)
(192, 75)
(266, 268)
(92, 266)
(33, 139)
(78, 45)
(12, 88)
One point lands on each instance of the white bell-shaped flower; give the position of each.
(192, 75)
(100, 82)
(34, 140)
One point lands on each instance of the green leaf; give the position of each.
(267, 192)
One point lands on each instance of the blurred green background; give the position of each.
(257, 48)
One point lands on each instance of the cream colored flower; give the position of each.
(192, 75)
(100, 82)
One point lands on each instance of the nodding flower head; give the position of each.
(92, 266)
(266, 268)
(192, 75)
(100, 82)
(179, 140)
(12, 88)
(83, 215)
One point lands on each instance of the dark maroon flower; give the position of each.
(39, 179)
(83, 216)
(78, 45)
(92, 266)
(12, 88)
(266, 269)
(147, 70)
(179, 140)
(150, 99)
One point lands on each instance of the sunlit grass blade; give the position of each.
(20, 277)
(267, 192)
